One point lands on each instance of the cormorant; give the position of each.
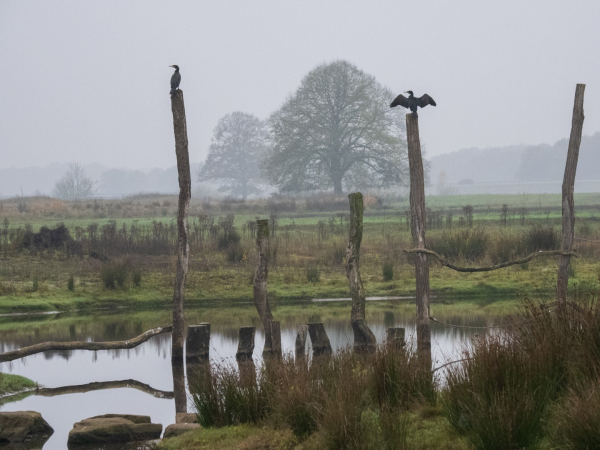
(175, 79)
(412, 102)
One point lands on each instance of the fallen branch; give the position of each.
(81, 345)
(528, 258)
(450, 363)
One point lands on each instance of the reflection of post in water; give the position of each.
(244, 353)
(197, 353)
(198, 376)
(179, 385)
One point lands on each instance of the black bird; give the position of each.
(412, 102)
(175, 79)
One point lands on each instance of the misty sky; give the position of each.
(89, 81)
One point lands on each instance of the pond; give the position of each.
(149, 364)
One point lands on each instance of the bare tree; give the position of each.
(234, 156)
(74, 184)
(337, 129)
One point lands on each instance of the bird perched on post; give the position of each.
(412, 102)
(175, 79)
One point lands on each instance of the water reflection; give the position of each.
(150, 363)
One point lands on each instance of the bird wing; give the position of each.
(175, 80)
(401, 100)
(425, 100)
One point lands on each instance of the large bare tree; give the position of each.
(337, 130)
(74, 184)
(234, 156)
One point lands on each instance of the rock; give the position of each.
(177, 429)
(23, 425)
(113, 428)
(186, 418)
(131, 417)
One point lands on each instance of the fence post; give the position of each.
(183, 248)
(197, 344)
(318, 338)
(260, 282)
(568, 205)
(301, 343)
(364, 339)
(417, 209)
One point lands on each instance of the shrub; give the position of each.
(71, 283)
(35, 286)
(114, 273)
(506, 247)
(577, 420)
(470, 244)
(313, 274)
(541, 237)
(338, 253)
(388, 270)
(228, 234)
(235, 253)
(137, 278)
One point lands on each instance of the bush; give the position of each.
(506, 247)
(470, 244)
(577, 420)
(338, 253)
(114, 274)
(235, 253)
(35, 286)
(541, 237)
(313, 274)
(137, 278)
(71, 283)
(228, 234)
(388, 270)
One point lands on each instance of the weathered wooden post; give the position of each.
(417, 209)
(568, 205)
(364, 339)
(179, 386)
(246, 366)
(300, 347)
(197, 344)
(319, 339)
(260, 284)
(185, 192)
(395, 337)
(246, 343)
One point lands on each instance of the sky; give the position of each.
(88, 82)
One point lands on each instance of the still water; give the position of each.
(150, 363)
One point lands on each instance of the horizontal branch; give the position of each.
(83, 388)
(101, 385)
(82, 345)
(528, 258)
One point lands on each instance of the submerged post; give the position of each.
(245, 344)
(197, 344)
(417, 209)
(568, 204)
(300, 347)
(364, 339)
(183, 248)
(319, 339)
(260, 283)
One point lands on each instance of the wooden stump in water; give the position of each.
(197, 344)
(246, 343)
(300, 348)
(319, 339)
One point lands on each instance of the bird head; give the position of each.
(409, 92)
(175, 67)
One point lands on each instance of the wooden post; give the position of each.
(301, 343)
(246, 343)
(417, 209)
(364, 339)
(260, 282)
(179, 386)
(183, 248)
(197, 344)
(318, 338)
(275, 349)
(395, 337)
(568, 205)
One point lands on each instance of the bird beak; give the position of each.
(172, 66)
(405, 92)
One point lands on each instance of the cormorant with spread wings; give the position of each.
(412, 102)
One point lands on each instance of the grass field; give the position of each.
(138, 235)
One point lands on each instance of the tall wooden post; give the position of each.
(417, 209)
(183, 248)
(568, 205)
(260, 283)
(364, 339)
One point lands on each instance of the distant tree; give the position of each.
(337, 130)
(237, 148)
(74, 184)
